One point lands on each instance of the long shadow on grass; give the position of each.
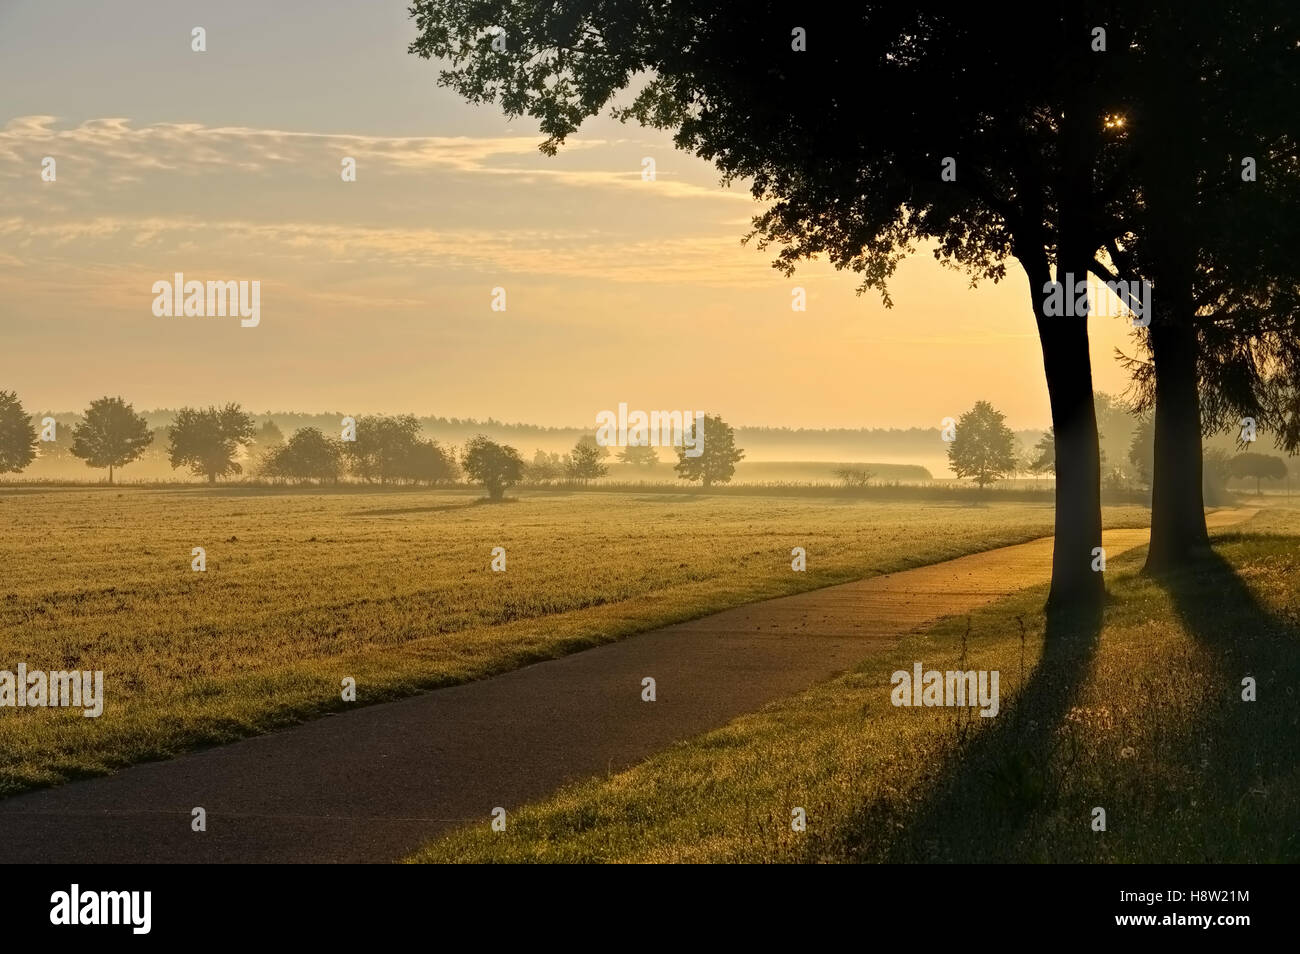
(438, 508)
(979, 794)
(1225, 790)
(1240, 757)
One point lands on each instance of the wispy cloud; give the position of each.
(122, 153)
(715, 260)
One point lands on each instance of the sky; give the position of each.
(376, 294)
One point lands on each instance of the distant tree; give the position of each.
(384, 447)
(589, 440)
(584, 460)
(545, 467)
(1259, 466)
(110, 435)
(717, 463)
(1115, 424)
(60, 449)
(853, 476)
(495, 466)
(639, 456)
(1142, 450)
(428, 462)
(1114, 480)
(985, 448)
(1043, 460)
(268, 435)
(308, 455)
(268, 439)
(1037, 162)
(1216, 468)
(18, 435)
(207, 441)
(157, 442)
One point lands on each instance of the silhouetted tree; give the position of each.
(854, 476)
(1044, 456)
(717, 462)
(384, 447)
(1259, 466)
(427, 462)
(207, 441)
(17, 434)
(308, 455)
(639, 456)
(110, 435)
(1115, 423)
(59, 450)
(496, 466)
(268, 435)
(1142, 450)
(984, 448)
(545, 467)
(584, 460)
(268, 438)
(1216, 468)
(1202, 89)
(1010, 108)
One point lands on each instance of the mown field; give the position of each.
(393, 589)
(1139, 712)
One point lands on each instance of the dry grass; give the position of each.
(393, 589)
(1142, 716)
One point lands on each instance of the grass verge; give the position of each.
(1139, 712)
(393, 590)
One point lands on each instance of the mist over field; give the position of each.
(773, 455)
(647, 431)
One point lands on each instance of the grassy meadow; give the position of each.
(1138, 712)
(304, 588)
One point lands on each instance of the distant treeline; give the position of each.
(426, 450)
(760, 443)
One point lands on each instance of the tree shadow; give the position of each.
(438, 508)
(1222, 778)
(980, 794)
(1239, 753)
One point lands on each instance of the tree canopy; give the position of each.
(207, 441)
(17, 434)
(496, 466)
(865, 132)
(584, 462)
(716, 462)
(984, 448)
(308, 455)
(110, 435)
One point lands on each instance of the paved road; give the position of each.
(372, 785)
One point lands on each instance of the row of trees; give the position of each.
(498, 466)
(1135, 142)
(984, 449)
(111, 435)
(384, 449)
(211, 442)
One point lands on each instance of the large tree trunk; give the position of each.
(1178, 534)
(1075, 584)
